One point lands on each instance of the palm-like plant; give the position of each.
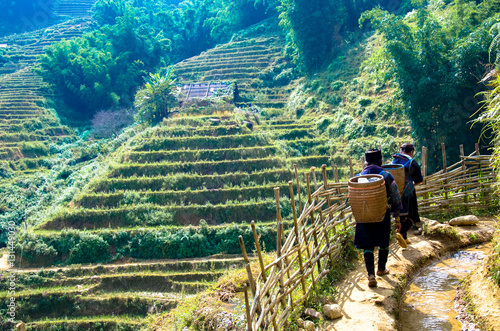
(156, 99)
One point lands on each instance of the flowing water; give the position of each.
(429, 299)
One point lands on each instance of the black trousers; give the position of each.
(383, 253)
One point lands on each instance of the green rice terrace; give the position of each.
(27, 125)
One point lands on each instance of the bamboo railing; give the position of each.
(302, 257)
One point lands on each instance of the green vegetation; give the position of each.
(436, 68)
(187, 181)
(490, 116)
(156, 100)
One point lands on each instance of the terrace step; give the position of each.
(193, 181)
(200, 154)
(140, 215)
(209, 263)
(122, 323)
(212, 167)
(220, 142)
(198, 197)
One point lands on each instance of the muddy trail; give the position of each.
(366, 308)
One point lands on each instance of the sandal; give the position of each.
(372, 282)
(383, 272)
(401, 240)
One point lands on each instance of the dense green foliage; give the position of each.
(315, 27)
(104, 68)
(490, 116)
(73, 246)
(437, 68)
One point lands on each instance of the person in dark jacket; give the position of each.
(413, 177)
(371, 235)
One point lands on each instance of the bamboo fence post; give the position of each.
(20, 326)
(306, 242)
(481, 181)
(464, 176)
(251, 280)
(325, 187)
(298, 185)
(325, 184)
(335, 170)
(445, 181)
(296, 230)
(259, 252)
(315, 236)
(247, 262)
(278, 244)
(362, 162)
(313, 171)
(424, 170)
(247, 305)
(350, 166)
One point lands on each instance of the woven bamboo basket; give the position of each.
(368, 200)
(398, 172)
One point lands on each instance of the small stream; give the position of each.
(428, 303)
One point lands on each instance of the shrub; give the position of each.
(34, 252)
(91, 248)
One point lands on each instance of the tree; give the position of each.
(437, 73)
(310, 25)
(157, 98)
(104, 68)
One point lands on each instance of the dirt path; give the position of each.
(369, 309)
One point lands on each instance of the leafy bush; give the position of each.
(104, 68)
(91, 248)
(33, 252)
(156, 100)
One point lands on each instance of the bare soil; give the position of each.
(366, 308)
(485, 296)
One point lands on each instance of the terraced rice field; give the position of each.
(72, 8)
(110, 297)
(242, 62)
(27, 126)
(194, 168)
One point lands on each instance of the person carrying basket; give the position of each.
(413, 177)
(377, 233)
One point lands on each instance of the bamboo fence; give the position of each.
(302, 257)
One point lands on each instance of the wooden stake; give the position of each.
(296, 229)
(247, 305)
(424, 170)
(251, 280)
(306, 242)
(350, 166)
(314, 178)
(259, 252)
(337, 180)
(298, 186)
(464, 167)
(309, 197)
(445, 182)
(278, 242)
